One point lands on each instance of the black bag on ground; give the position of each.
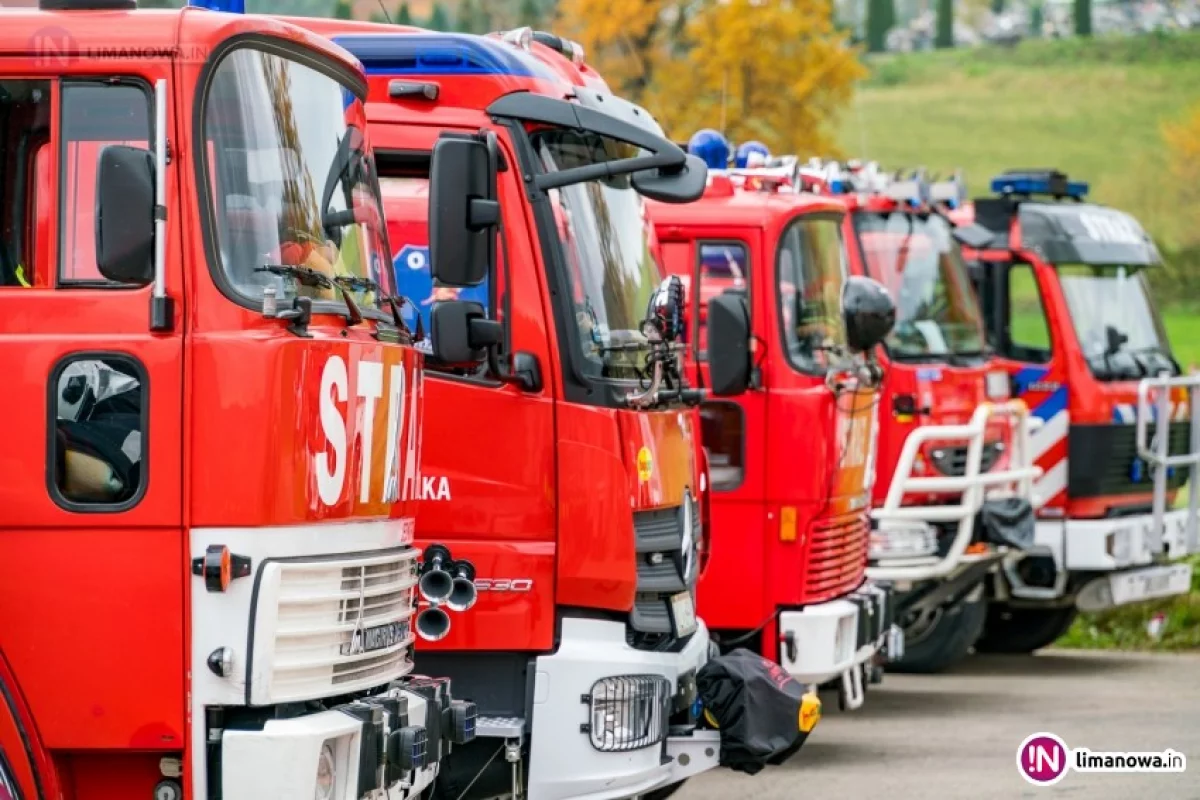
(761, 711)
(1007, 522)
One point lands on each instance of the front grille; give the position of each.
(342, 625)
(952, 461)
(837, 556)
(1102, 460)
(668, 563)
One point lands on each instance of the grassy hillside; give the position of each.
(1092, 109)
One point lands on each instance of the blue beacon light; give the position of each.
(711, 147)
(228, 6)
(1039, 183)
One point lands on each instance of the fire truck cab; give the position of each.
(579, 494)
(1070, 315)
(953, 494)
(218, 551)
(791, 445)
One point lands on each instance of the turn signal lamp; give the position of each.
(997, 386)
(787, 524)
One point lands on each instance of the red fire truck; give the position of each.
(579, 494)
(196, 291)
(950, 441)
(794, 590)
(955, 480)
(1069, 313)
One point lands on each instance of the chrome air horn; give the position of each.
(443, 581)
(433, 624)
(436, 583)
(463, 594)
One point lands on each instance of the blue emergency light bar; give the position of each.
(440, 54)
(228, 6)
(1049, 182)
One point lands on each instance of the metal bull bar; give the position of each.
(974, 484)
(1157, 452)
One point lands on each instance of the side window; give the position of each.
(811, 269)
(722, 265)
(97, 447)
(723, 428)
(94, 115)
(24, 122)
(1028, 334)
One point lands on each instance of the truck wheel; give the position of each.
(1023, 630)
(940, 640)
(663, 793)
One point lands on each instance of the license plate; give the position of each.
(1149, 583)
(683, 614)
(379, 637)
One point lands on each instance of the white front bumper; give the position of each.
(1103, 545)
(833, 638)
(280, 762)
(563, 764)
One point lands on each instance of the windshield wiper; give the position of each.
(306, 276)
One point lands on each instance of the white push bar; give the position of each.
(1157, 453)
(973, 484)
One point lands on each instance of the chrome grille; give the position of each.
(837, 556)
(668, 563)
(342, 624)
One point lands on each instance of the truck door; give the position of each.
(487, 457)
(1013, 295)
(91, 421)
(734, 433)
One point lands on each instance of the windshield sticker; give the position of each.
(414, 282)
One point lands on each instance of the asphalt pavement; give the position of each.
(956, 735)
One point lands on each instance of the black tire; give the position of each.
(939, 643)
(1023, 630)
(664, 792)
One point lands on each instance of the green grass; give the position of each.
(1092, 109)
(1124, 628)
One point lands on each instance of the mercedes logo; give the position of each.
(688, 546)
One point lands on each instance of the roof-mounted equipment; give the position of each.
(1043, 182)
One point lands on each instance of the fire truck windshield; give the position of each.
(604, 234)
(937, 315)
(293, 183)
(1118, 330)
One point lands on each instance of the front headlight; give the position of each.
(629, 712)
(326, 772)
(902, 540)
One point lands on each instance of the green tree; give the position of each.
(1037, 16)
(404, 15)
(466, 19)
(1083, 17)
(879, 21)
(343, 10)
(529, 14)
(944, 37)
(439, 19)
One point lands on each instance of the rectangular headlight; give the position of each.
(998, 385)
(902, 540)
(628, 712)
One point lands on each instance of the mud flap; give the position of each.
(1008, 522)
(763, 713)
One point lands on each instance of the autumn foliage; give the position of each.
(772, 70)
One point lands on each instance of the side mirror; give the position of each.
(729, 361)
(974, 236)
(125, 214)
(461, 333)
(682, 186)
(463, 211)
(868, 312)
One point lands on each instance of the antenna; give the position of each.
(386, 15)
